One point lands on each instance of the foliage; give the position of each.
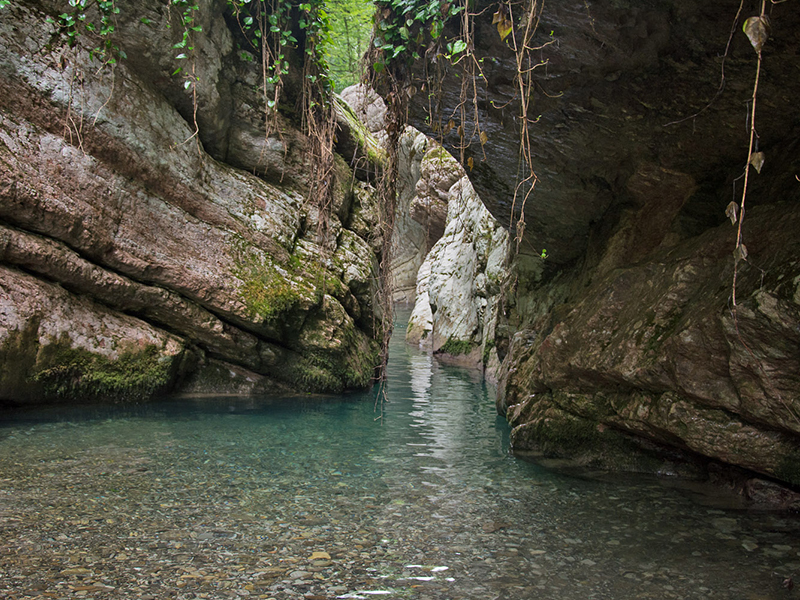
(268, 28)
(71, 23)
(350, 23)
(404, 27)
(186, 14)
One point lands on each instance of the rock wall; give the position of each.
(448, 252)
(624, 337)
(149, 244)
(459, 283)
(416, 228)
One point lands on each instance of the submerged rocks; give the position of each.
(110, 205)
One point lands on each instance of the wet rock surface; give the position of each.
(683, 374)
(459, 283)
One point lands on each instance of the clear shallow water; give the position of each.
(313, 498)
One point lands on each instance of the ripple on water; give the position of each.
(219, 498)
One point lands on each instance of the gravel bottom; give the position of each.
(175, 519)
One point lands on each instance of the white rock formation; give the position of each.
(458, 284)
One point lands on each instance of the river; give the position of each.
(348, 497)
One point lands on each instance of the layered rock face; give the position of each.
(624, 337)
(152, 243)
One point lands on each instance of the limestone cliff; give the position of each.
(150, 241)
(448, 254)
(459, 282)
(624, 337)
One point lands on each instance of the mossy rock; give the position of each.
(66, 373)
(456, 347)
(788, 468)
(268, 289)
(332, 354)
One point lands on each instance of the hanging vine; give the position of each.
(757, 30)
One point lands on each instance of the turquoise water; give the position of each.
(308, 497)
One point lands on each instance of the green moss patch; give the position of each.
(335, 355)
(75, 373)
(267, 294)
(456, 347)
(265, 291)
(487, 352)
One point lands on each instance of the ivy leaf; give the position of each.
(186, 84)
(732, 212)
(740, 253)
(504, 24)
(484, 138)
(757, 160)
(470, 163)
(757, 31)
